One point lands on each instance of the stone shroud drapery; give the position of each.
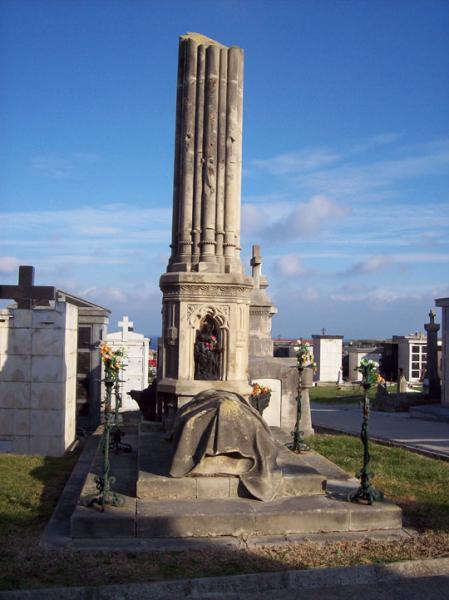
(208, 157)
(221, 424)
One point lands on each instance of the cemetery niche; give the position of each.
(49, 367)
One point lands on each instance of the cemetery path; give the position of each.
(428, 437)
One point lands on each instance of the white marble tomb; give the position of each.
(38, 357)
(136, 347)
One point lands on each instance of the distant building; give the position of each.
(328, 354)
(406, 352)
(285, 347)
(356, 354)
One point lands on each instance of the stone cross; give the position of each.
(256, 264)
(126, 326)
(26, 294)
(432, 357)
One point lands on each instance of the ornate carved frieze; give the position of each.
(205, 290)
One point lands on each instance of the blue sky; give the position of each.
(346, 152)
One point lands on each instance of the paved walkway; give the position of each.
(429, 437)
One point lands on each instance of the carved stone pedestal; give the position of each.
(189, 363)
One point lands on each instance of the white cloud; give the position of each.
(9, 264)
(52, 166)
(294, 162)
(104, 295)
(373, 264)
(377, 179)
(99, 230)
(59, 167)
(289, 265)
(375, 296)
(307, 218)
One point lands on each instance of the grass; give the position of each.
(30, 486)
(420, 485)
(352, 394)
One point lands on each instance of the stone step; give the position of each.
(236, 517)
(244, 517)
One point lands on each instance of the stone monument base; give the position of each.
(199, 507)
(181, 391)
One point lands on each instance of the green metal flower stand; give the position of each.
(116, 433)
(105, 481)
(298, 444)
(366, 493)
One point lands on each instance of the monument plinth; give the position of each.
(206, 296)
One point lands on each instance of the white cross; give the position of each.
(126, 325)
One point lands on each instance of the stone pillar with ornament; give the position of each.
(432, 329)
(206, 296)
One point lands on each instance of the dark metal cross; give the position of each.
(26, 294)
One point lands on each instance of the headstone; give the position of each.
(205, 293)
(402, 382)
(432, 329)
(136, 347)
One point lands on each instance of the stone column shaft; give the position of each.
(208, 242)
(188, 155)
(221, 155)
(208, 163)
(198, 184)
(233, 153)
(177, 165)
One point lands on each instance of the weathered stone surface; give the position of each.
(114, 522)
(299, 477)
(208, 149)
(181, 518)
(381, 515)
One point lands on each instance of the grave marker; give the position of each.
(26, 294)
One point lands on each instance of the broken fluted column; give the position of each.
(208, 157)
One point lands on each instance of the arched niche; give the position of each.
(208, 350)
(209, 320)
